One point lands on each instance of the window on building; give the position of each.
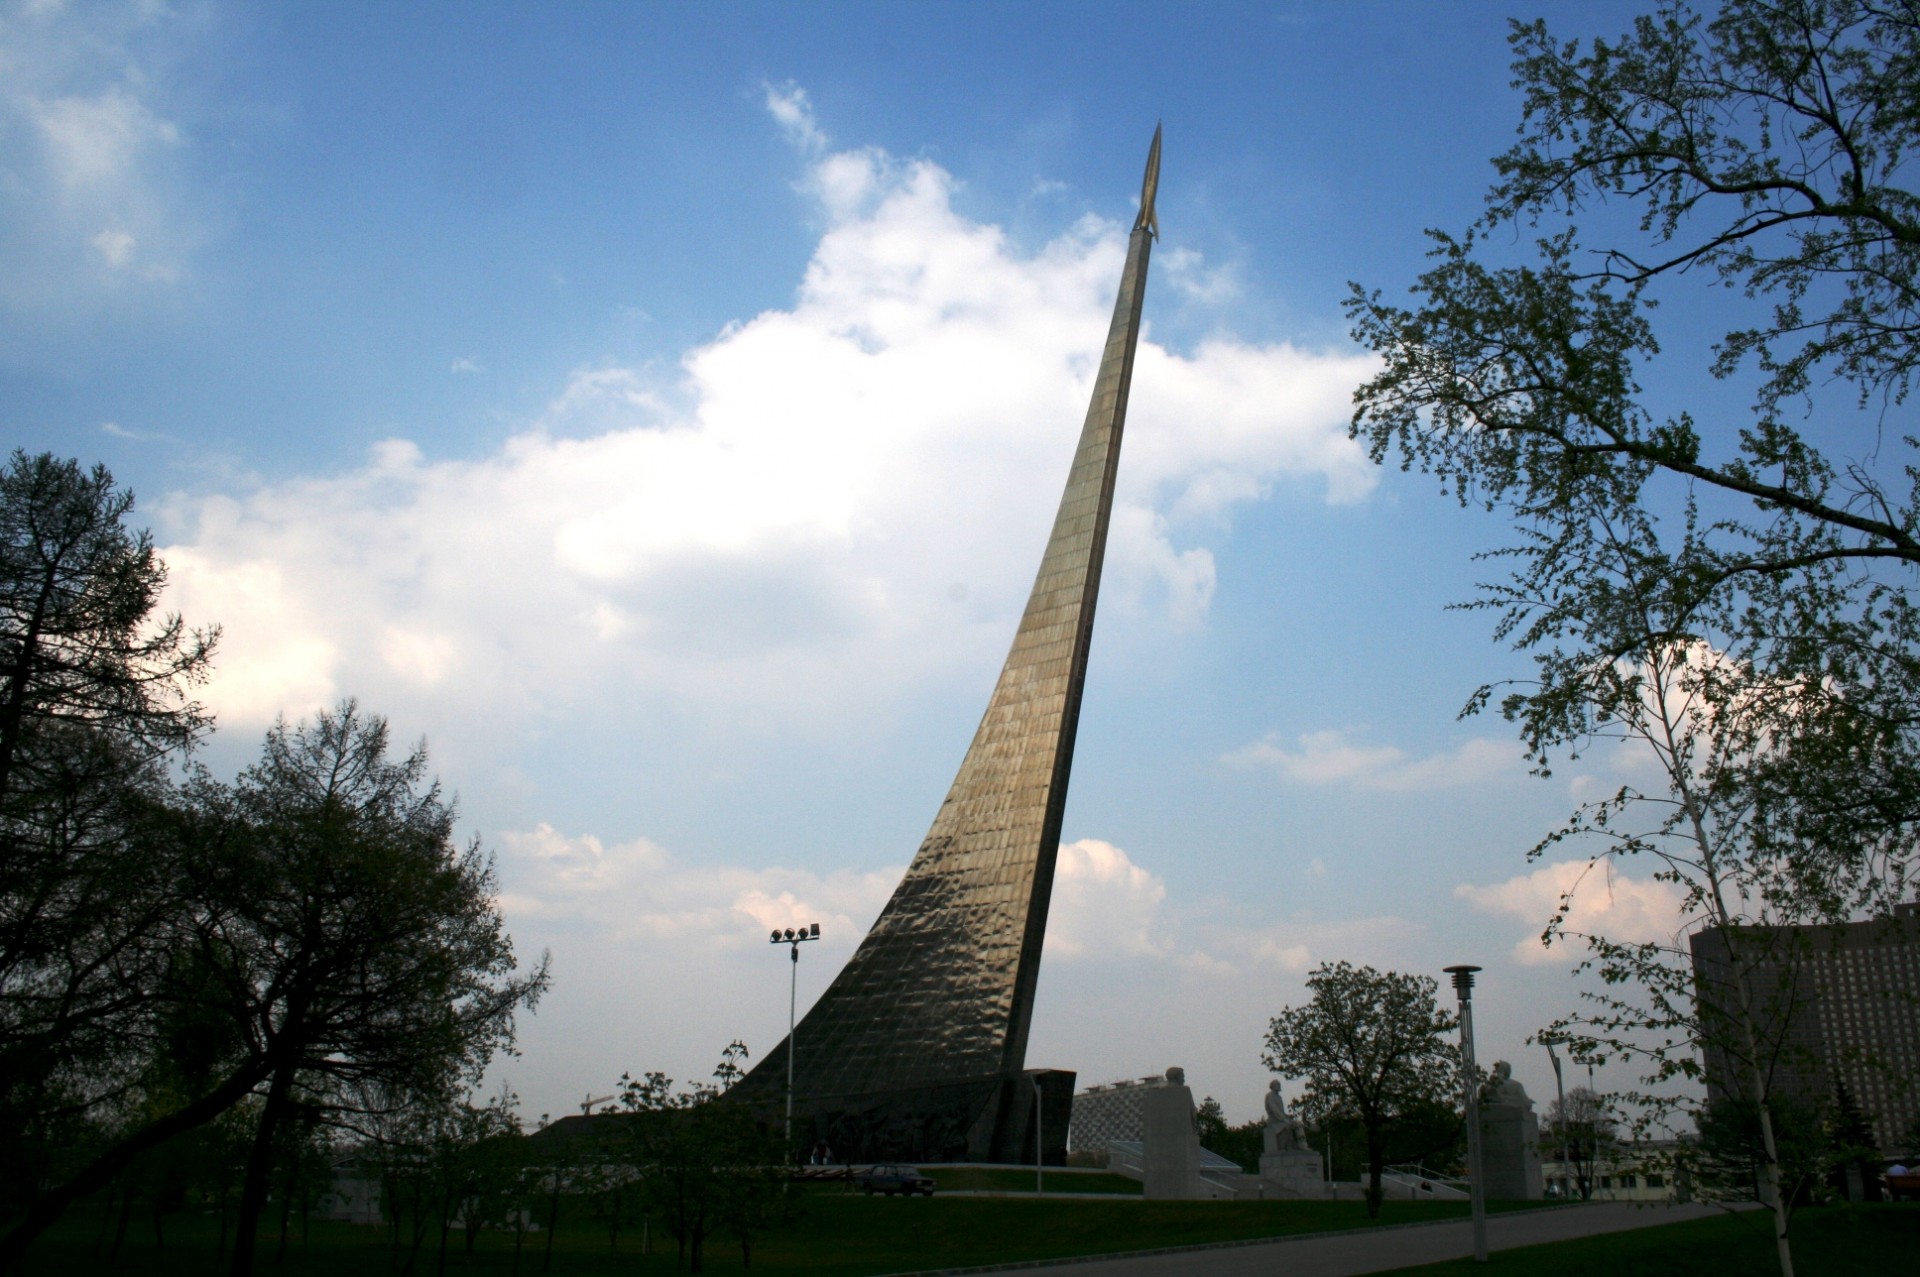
(1656, 1181)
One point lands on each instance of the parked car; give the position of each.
(894, 1179)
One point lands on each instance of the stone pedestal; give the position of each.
(1510, 1153)
(1170, 1146)
(1297, 1172)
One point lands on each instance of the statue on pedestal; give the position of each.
(1287, 1165)
(1283, 1133)
(1509, 1138)
(1502, 1091)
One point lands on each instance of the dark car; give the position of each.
(894, 1179)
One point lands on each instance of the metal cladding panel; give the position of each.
(941, 990)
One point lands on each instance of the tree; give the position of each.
(342, 956)
(1578, 1129)
(1727, 588)
(95, 697)
(362, 944)
(704, 1162)
(1239, 1144)
(1370, 1046)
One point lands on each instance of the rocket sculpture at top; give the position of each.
(918, 1047)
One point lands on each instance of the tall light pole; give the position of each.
(1560, 1126)
(793, 939)
(1463, 989)
(1039, 1140)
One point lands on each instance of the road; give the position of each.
(1359, 1251)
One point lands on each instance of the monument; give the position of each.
(1509, 1139)
(918, 1047)
(1287, 1165)
(1170, 1143)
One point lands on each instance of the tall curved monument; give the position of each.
(918, 1048)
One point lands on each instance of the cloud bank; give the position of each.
(95, 194)
(1605, 902)
(1332, 758)
(659, 962)
(824, 506)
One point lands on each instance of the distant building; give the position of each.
(1108, 1112)
(1646, 1171)
(1836, 1005)
(353, 1191)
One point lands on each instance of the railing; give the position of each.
(1418, 1184)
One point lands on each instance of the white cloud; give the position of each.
(1605, 902)
(659, 961)
(466, 363)
(1330, 758)
(1103, 904)
(1194, 279)
(791, 109)
(637, 890)
(831, 507)
(100, 141)
(115, 246)
(93, 195)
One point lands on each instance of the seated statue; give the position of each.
(1283, 1133)
(1502, 1091)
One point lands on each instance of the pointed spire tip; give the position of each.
(1149, 188)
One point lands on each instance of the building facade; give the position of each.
(1108, 1112)
(1837, 1009)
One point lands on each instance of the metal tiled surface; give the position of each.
(941, 990)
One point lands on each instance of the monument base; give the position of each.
(989, 1119)
(1510, 1142)
(1298, 1172)
(1170, 1146)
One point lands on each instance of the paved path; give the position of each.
(1381, 1250)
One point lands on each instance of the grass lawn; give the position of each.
(1828, 1241)
(838, 1235)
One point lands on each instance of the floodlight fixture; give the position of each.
(792, 938)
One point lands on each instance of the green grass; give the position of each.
(838, 1235)
(1829, 1241)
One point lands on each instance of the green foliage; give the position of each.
(696, 1160)
(1726, 587)
(1372, 1047)
(95, 699)
(1731, 1158)
(1763, 150)
(1238, 1144)
(1579, 1132)
(305, 949)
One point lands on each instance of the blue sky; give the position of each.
(661, 408)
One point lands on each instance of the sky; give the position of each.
(660, 410)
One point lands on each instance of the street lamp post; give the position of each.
(792, 939)
(1463, 989)
(1560, 1126)
(1039, 1138)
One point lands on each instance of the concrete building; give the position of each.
(1835, 1006)
(1108, 1112)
